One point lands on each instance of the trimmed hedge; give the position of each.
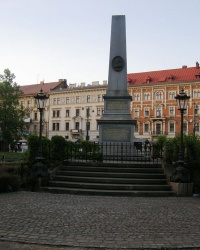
(9, 182)
(13, 176)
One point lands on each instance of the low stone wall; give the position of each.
(195, 178)
(182, 189)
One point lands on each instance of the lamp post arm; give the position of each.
(40, 137)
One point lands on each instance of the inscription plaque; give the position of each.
(116, 134)
(116, 105)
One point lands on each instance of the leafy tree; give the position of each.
(12, 115)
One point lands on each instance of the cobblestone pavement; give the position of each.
(99, 221)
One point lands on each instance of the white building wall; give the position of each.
(76, 100)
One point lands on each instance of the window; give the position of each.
(171, 111)
(196, 109)
(56, 126)
(196, 127)
(171, 127)
(136, 112)
(136, 128)
(77, 125)
(35, 116)
(67, 113)
(146, 112)
(58, 101)
(99, 98)
(146, 96)
(88, 98)
(29, 104)
(67, 100)
(196, 93)
(172, 95)
(158, 95)
(146, 127)
(158, 112)
(77, 112)
(54, 101)
(22, 103)
(67, 126)
(158, 128)
(184, 127)
(77, 99)
(56, 113)
(98, 111)
(35, 128)
(28, 115)
(136, 97)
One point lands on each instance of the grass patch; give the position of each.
(11, 155)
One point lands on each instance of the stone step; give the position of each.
(113, 169)
(110, 164)
(134, 193)
(141, 175)
(109, 180)
(110, 186)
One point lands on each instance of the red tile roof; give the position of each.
(35, 88)
(183, 74)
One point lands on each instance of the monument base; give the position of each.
(116, 131)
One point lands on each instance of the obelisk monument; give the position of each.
(116, 124)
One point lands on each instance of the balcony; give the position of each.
(157, 132)
(27, 120)
(76, 131)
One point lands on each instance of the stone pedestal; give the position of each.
(182, 189)
(116, 124)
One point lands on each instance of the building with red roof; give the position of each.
(153, 104)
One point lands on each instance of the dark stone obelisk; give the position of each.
(116, 124)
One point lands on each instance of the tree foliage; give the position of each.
(12, 115)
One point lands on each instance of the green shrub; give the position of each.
(191, 147)
(9, 182)
(58, 149)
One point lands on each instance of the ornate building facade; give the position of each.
(72, 110)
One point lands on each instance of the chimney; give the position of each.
(184, 67)
(42, 82)
(197, 65)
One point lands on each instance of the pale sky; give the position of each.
(70, 39)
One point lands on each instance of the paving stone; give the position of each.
(98, 221)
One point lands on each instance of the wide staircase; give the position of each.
(110, 179)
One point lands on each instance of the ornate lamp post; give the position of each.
(181, 174)
(87, 124)
(41, 100)
(40, 169)
(194, 120)
(182, 99)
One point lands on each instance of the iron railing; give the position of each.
(115, 152)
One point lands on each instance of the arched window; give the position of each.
(171, 95)
(158, 95)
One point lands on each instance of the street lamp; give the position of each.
(41, 100)
(196, 108)
(87, 122)
(182, 99)
(40, 169)
(181, 174)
